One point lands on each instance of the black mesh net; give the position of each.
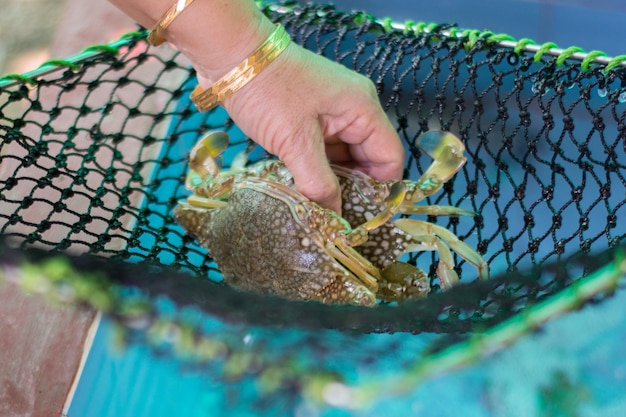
(94, 158)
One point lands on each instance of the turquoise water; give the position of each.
(578, 360)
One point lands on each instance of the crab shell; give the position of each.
(260, 245)
(263, 242)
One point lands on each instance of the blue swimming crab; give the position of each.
(268, 238)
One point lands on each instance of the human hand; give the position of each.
(302, 107)
(308, 110)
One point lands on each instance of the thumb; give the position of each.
(312, 172)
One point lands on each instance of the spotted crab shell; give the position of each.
(261, 246)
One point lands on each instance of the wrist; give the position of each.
(217, 35)
(212, 65)
(239, 76)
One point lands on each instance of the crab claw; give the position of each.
(204, 157)
(447, 153)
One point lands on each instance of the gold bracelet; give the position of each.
(239, 76)
(155, 38)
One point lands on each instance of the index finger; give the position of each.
(371, 143)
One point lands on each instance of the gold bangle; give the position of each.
(155, 38)
(239, 76)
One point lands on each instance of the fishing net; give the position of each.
(94, 159)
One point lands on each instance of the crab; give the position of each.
(268, 238)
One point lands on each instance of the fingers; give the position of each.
(383, 149)
(306, 158)
(381, 154)
(302, 106)
(363, 138)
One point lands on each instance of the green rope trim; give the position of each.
(568, 53)
(522, 44)
(102, 48)
(500, 37)
(418, 27)
(387, 24)
(542, 51)
(454, 32)
(409, 26)
(23, 79)
(61, 63)
(614, 62)
(74, 62)
(361, 18)
(473, 36)
(591, 56)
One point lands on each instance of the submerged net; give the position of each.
(93, 163)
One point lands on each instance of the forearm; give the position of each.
(215, 35)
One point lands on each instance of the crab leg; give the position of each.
(197, 201)
(445, 270)
(428, 235)
(393, 202)
(343, 251)
(357, 264)
(435, 210)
